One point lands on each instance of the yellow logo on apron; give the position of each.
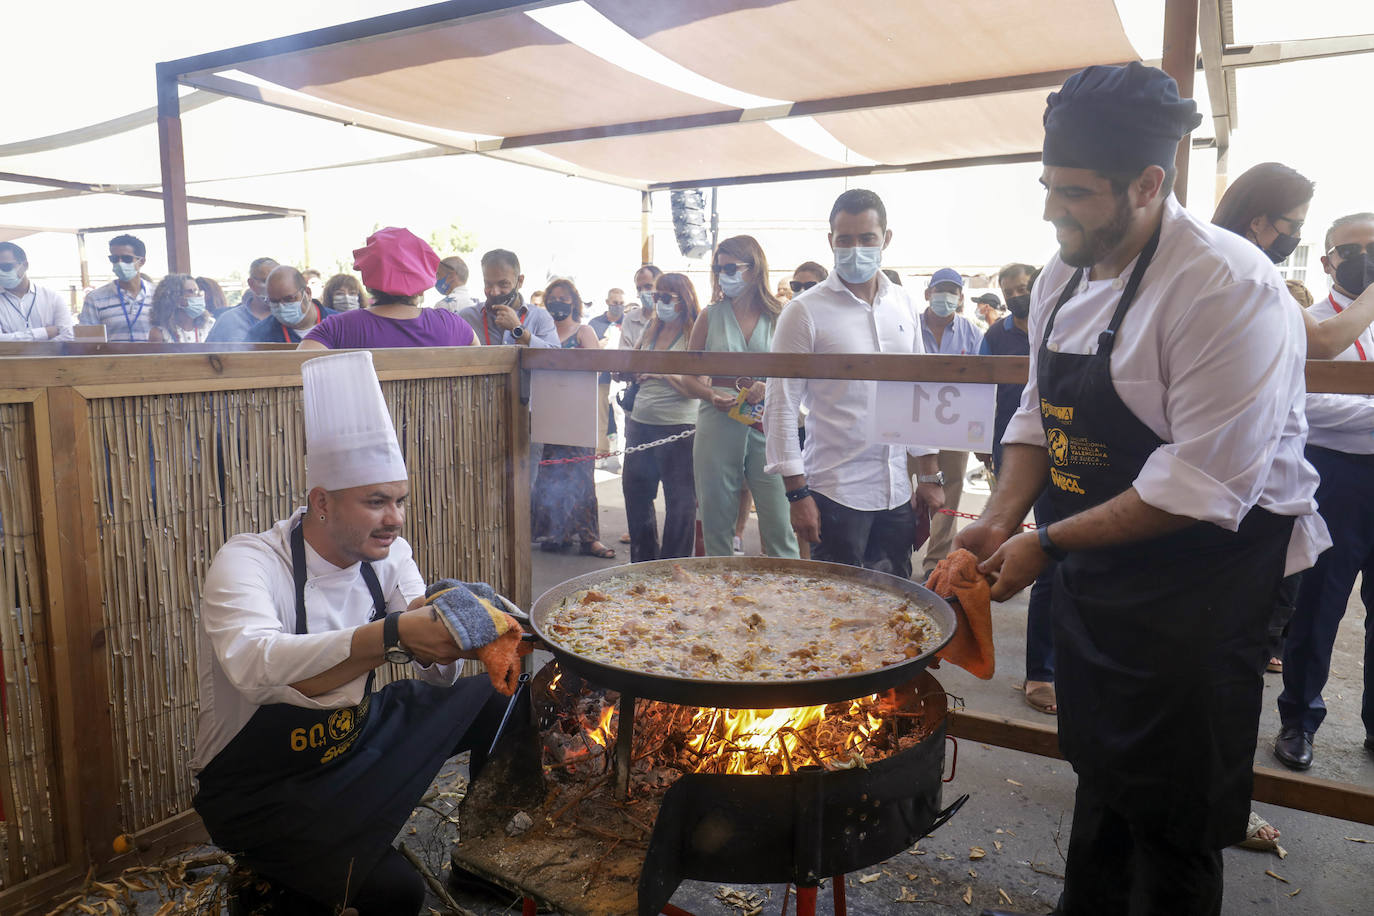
(1062, 414)
(1066, 482)
(340, 723)
(1059, 446)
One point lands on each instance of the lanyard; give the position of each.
(33, 302)
(286, 332)
(123, 308)
(486, 332)
(1358, 347)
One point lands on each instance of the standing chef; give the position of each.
(1165, 411)
(305, 774)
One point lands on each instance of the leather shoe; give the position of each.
(1293, 747)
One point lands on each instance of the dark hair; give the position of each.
(1011, 270)
(747, 248)
(167, 297)
(381, 298)
(258, 262)
(858, 200)
(1345, 221)
(503, 258)
(214, 296)
(460, 267)
(336, 283)
(811, 267)
(1120, 181)
(892, 275)
(682, 287)
(565, 283)
(1269, 189)
(16, 251)
(140, 250)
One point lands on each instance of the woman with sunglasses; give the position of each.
(564, 499)
(729, 450)
(665, 405)
(179, 313)
(1268, 204)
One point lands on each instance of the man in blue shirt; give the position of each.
(234, 324)
(294, 313)
(944, 331)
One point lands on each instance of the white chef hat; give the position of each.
(349, 439)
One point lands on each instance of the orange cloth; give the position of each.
(957, 576)
(501, 657)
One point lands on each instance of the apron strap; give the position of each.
(1107, 339)
(298, 571)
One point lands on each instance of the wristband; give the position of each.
(797, 495)
(1050, 548)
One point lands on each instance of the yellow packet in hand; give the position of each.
(744, 412)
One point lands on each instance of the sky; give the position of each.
(76, 64)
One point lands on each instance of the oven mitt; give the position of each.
(470, 613)
(957, 577)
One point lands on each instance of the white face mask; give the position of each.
(345, 301)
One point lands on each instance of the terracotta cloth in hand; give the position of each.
(957, 576)
(502, 659)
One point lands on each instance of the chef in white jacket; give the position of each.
(304, 773)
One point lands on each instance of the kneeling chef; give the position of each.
(305, 774)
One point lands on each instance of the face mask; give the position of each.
(1355, 275)
(288, 313)
(944, 304)
(195, 306)
(858, 265)
(507, 299)
(345, 301)
(646, 300)
(443, 286)
(314, 287)
(666, 311)
(9, 279)
(560, 310)
(1282, 247)
(125, 272)
(733, 286)
(1019, 305)
(615, 312)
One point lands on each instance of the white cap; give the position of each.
(349, 439)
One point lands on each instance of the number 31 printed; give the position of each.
(945, 413)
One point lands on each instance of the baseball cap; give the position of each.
(947, 275)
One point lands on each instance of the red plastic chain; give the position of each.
(975, 517)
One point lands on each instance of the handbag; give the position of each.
(626, 398)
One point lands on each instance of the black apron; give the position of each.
(1160, 644)
(312, 797)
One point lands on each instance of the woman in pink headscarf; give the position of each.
(397, 268)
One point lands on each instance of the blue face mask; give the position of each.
(733, 286)
(443, 286)
(288, 313)
(9, 279)
(646, 299)
(858, 264)
(944, 304)
(666, 311)
(125, 272)
(194, 307)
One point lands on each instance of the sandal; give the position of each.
(625, 538)
(1254, 841)
(1043, 699)
(597, 549)
(1275, 666)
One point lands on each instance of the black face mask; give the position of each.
(507, 299)
(1282, 247)
(559, 311)
(1355, 274)
(1019, 305)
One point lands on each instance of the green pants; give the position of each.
(726, 455)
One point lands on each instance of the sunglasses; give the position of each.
(1352, 249)
(731, 269)
(800, 286)
(126, 258)
(1294, 225)
(665, 298)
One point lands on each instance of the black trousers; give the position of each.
(879, 540)
(1117, 867)
(392, 888)
(640, 477)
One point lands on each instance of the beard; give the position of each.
(1099, 242)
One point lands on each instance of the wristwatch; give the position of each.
(937, 478)
(517, 332)
(1049, 547)
(391, 640)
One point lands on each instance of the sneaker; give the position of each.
(739, 546)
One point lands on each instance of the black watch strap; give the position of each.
(391, 631)
(1050, 548)
(800, 493)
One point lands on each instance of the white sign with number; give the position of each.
(563, 407)
(934, 414)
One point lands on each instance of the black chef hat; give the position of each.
(1117, 119)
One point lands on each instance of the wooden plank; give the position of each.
(518, 492)
(81, 673)
(38, 894)
(1003, 731)
(20, 395)
(880, 366)
(173, 160)
(1179, 60)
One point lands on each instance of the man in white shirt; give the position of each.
(304, 773)
(29, 311)
(1174, 461)
(850, 499)
(452, 284)
(1340, 445)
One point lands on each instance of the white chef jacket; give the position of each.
(27, 317)
(1344, 422)
(249, 651)
(838, 460)
(1210, 357)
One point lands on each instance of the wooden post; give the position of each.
(646, 227)
(518, 489)
(85, 267)
(173, 174)
(1180, 62)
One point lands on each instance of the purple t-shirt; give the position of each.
(361, 329)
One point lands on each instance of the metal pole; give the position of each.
(1180, 62)
(646, 228)
(624, 746)
(81, 253)
(305, 240)
(715, 221)
(173, 173)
